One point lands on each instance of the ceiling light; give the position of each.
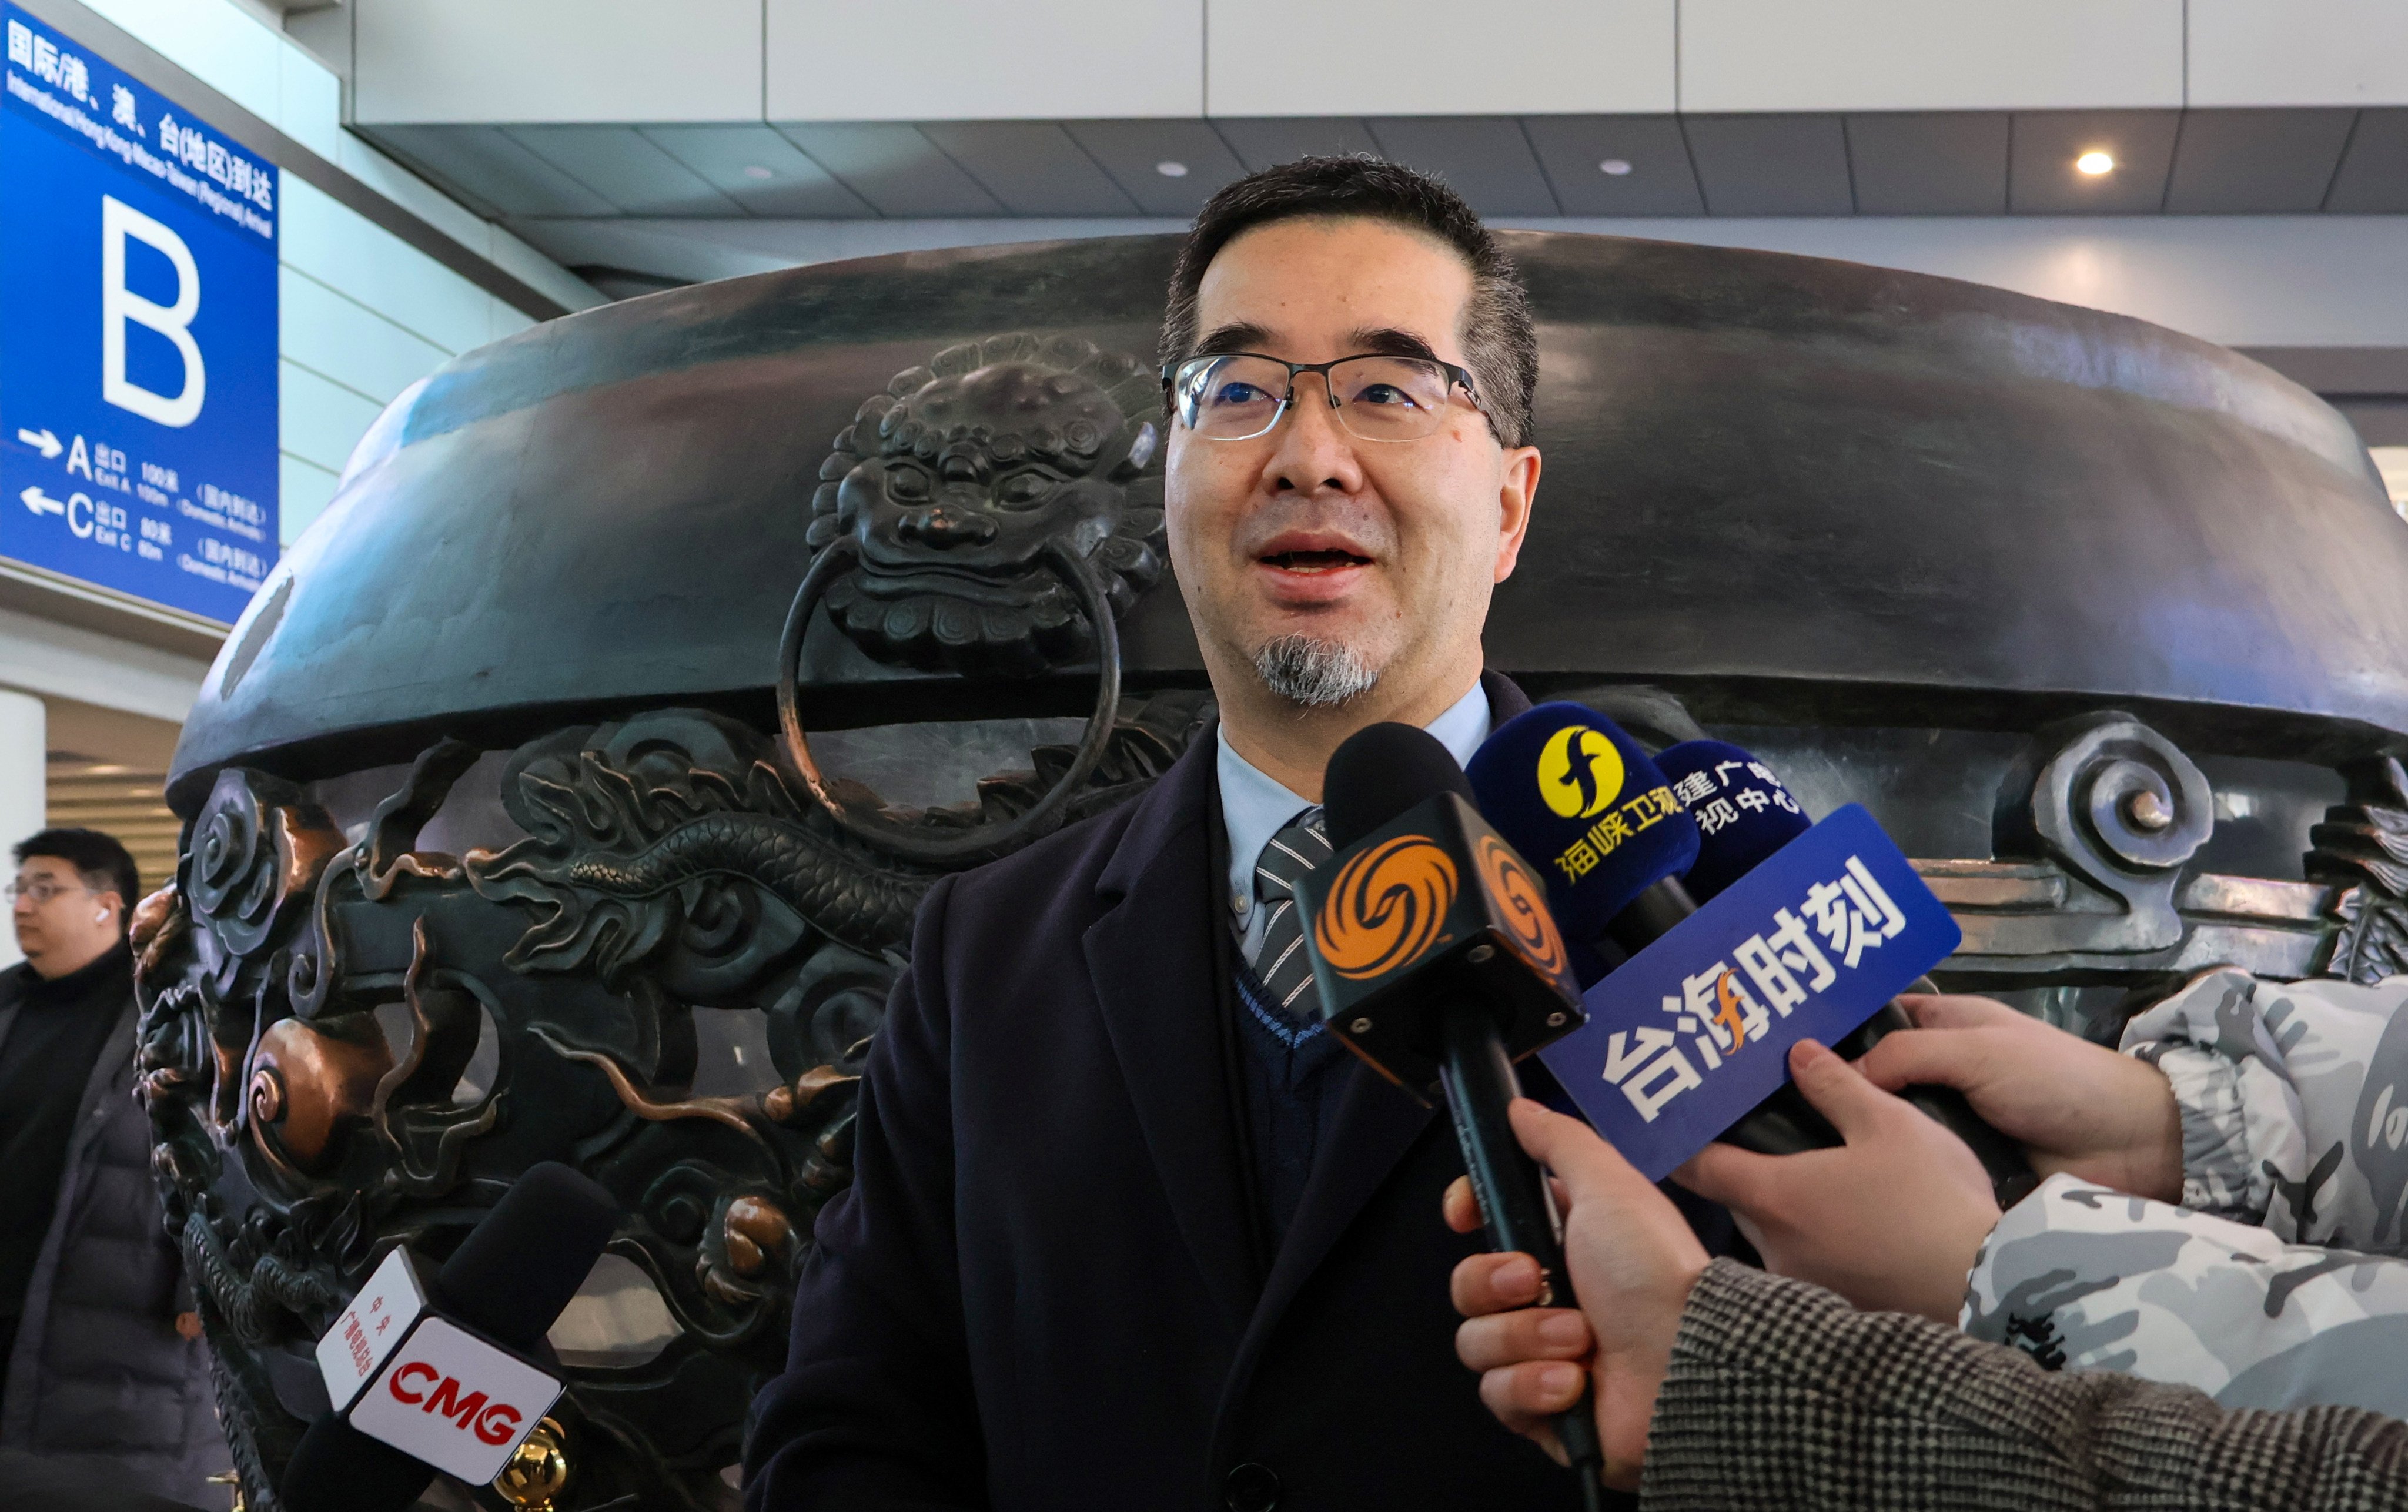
(1171, 168)
(2095, 163)
(1616, 166)
(757, 171)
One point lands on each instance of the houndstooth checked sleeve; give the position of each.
(1781, 1396)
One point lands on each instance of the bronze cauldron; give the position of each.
(566, 791)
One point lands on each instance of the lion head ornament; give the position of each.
(957, 482)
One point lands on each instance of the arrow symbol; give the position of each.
(41, 502)
(42, 441)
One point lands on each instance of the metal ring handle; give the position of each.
(983, 842)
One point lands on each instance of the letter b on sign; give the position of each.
(119, 305)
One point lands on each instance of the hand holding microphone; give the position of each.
(1437, 961)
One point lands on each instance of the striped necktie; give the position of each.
(1280, 962)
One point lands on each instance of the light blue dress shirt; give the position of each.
(1255, 808)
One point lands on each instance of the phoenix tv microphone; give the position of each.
(1436, 961)
(449, 1371)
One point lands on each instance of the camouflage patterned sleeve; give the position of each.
(2294, 1100)
(2083, 1277)
(1782, 1396)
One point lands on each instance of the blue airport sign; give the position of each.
(137, 335)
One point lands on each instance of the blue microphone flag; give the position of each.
(1692, 1032)
(1586, 806)
(1743, 814)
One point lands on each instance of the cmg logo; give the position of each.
(496, 1422)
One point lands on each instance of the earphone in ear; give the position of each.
(100, 918)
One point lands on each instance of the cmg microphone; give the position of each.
(449, 1371)
(1437, 960)
(1744, 815)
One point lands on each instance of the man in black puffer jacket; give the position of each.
(105, 1379)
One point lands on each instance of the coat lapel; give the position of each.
(1156, 975)
(1375, 1124)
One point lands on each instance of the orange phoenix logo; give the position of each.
(1523, 902)
(1384, 907)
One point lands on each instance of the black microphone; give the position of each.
(480, 1323)
(1744, 815)
(1437, 960)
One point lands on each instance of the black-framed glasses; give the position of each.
(1238, 395)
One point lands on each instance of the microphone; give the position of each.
(1613, 838)
(1437, 960)
(1744, 815)
(450, 1371)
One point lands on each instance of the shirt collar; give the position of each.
(1256, 806)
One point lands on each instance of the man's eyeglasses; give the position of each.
(40, 888)
(1236, 396)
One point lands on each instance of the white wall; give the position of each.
(363, 313)
(666, 61)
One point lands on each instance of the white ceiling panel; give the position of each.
(510, 60)
(1485, 158)
(893, 168)
(2298, 53)
(2374, 178)
(1774, 55)
(1032, 167)
(976, 60)
(1265, 141)
(1770, 165)
(2257, 161)
(1439, 57)
(1168, 167)
(2042, 178)
(495, 174)
(1615, 164)
(759, 170)
(625, 168)
(1915, 162)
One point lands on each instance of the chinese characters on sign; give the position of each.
(1715, 799)
(1687, 1035)
(1617, 824)
(139, 415)
(1720, 1013)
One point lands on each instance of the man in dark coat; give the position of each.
(1127, 1229)
(106, 1381)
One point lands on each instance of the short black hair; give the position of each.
(98, 859)
(1499, 345)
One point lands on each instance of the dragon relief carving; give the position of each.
(2362, 847)
(313, 1004)
(958, 481)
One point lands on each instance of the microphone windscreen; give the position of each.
(519, 1266)
(1380, 772)
(1568, 790)
(336, 1468)
(1742, 812)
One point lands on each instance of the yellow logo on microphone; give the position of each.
(1386, 908)
(1580, 772)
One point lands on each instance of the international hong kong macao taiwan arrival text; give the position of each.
(1694, 1031)
(138, 379)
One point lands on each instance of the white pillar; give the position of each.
(24, 785)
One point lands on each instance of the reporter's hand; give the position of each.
(1633, 1262)
(1891, 1221)
(2076, 1106)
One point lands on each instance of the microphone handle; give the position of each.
(1785, 1123)
(1518, 1209)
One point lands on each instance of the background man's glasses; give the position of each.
(1237, 396)
(41, 890)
